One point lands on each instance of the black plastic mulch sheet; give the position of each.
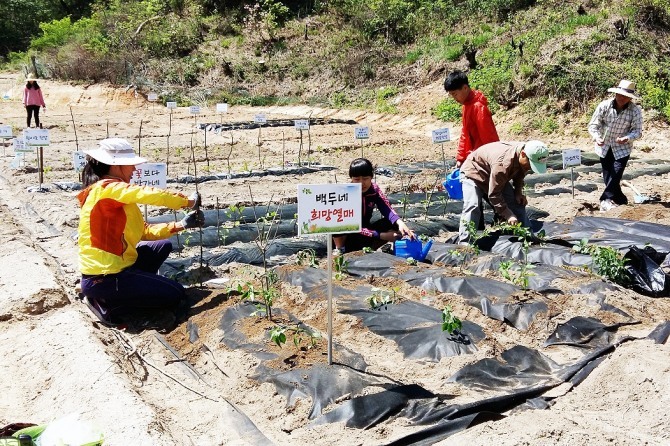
(416, 328)
(476, 291)
(246, 125)
(524, 373)
(661, 333)
(600, 290)
(648, 278)
(614, 232)
(585, 332)
(278, 252)
(322, 384)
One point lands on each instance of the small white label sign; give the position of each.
(6, 131)
(329, 208)
(78, 161)
(222, 108)
(441, 135)
(19, 145)
(150, 174)
(152, 97)
(194, 109)
(362, 132)
(572, 157)
(36, 137)
(301, 124)
(171, 105)
(260, 119)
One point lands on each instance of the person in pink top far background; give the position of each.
(32, 100)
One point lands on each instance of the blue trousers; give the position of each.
(136, 287)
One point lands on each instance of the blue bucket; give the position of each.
(453, 185)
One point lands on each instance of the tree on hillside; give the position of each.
(21, 19)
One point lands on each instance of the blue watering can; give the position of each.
(412, 248)
(453, 185)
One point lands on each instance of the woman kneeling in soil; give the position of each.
(387, 229)
(119, 271)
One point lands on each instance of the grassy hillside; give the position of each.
(544, 58)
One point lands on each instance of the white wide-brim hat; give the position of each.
(31, 77)
(625, 88)
(115, 152)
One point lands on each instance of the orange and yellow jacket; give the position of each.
(111, 223)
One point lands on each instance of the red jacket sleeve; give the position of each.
(464, 147)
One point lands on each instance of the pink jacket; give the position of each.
(33, 97)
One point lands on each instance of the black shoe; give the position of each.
(99, 313)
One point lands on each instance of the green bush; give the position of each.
(448, 110)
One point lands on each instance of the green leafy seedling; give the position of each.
(341, 267)
(367, 249)
(450, 323)
(411, 261)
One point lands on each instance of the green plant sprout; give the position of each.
(307, 257)
(381, 298)
(341, 267)
(278, 336)
(367, 250)
(608, 261)
(521, 276)
(450, 323)
(411, 261)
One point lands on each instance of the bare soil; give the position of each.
(57, 360)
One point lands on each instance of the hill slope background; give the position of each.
(548, 61)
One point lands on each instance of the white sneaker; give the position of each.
(606, 205)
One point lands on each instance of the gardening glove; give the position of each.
(196, 199)
(194, 219)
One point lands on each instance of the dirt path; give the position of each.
(58, 361)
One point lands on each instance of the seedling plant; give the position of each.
(381, 298)
(307, 257)
(341, 267)
(450, 323)
(299, 334)
(608, 261)
(520, 276)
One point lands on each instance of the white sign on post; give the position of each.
(222, 108)
(194, 109)
(152, 97)
(301, 124)
(362, 132)
(19, 145)
(171, 105)
(150, 174)
(36, 137)
(78, 161)
(260, 119)
(572, 157)
(6, 132)
(329, 208)
(441, 135)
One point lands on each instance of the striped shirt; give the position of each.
(609, 125)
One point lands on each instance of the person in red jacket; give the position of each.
(33, 99)
(478, 128)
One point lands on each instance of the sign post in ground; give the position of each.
(440, 136)
(329, 209)
(362, 133)
(38, 138)
(572, 158)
